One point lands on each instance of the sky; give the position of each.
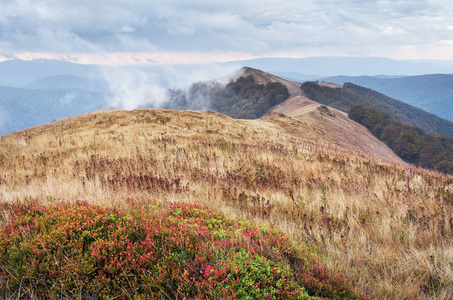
(136, 32)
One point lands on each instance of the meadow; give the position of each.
(387, 226)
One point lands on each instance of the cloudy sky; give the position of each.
(194, 31)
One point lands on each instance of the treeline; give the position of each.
(246, 99)
(411, 143)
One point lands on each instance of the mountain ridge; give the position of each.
(352, 94)
(431, 92)
(66, 81)
(334, 125)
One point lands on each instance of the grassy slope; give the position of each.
(334, 125)
(388, 227)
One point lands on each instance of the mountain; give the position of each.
(326, 123)
(21, 108)
(351, 66)
(248, 96)
(432, 93)
(195, 204)
(256, 93)
(344, 98)
(21, 72)
(66, 82)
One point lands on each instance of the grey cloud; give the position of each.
(248, 26)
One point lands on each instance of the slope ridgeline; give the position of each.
(351, 94)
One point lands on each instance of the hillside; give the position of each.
(432, 93)
(256, 93)
(344, 98)
(324, 123)
(386, 226)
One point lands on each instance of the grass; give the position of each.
(387, 226)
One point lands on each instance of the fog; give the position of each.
(138, 87)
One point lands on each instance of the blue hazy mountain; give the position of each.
(67, 82)
(21, 72)
(22, 108)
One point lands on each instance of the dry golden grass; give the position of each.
(327, 123)
(387, 226)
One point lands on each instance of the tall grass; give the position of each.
(387, 226)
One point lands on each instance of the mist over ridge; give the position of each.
(130, 87)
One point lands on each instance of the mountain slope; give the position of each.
(256, 93)
(412, 144)
(344, 98)
(248, 96)
(367, 217)
(335, 126)
(432, 93)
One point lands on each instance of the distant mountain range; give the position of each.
(18, 73)
(36, 92)
(22, 108)
(432, 93)
(66, 82)
(350, 66)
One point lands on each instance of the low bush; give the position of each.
(150, 250)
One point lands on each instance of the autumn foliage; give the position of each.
(155, 251)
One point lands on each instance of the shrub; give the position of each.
(80, 250)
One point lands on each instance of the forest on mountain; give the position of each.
(411, 143)
(196, 97)
(247, 99)
(241, 99)
(351, 94)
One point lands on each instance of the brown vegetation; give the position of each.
(388, 226)
(327, 123)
